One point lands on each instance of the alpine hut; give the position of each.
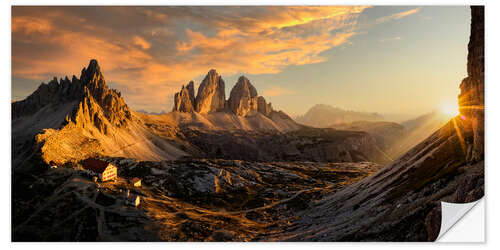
(103, 170)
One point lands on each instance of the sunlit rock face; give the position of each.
(184, 100)
(96, 101)
(471, 98)
(243, 98)
(211, 94)
(99, 105)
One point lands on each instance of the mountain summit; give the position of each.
(211, 94)
(100, 105)
(97, 103)
(184, 100)
(243, 99)
(81, 118)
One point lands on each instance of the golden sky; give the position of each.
(149, 52)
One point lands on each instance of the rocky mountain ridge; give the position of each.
(322, 116)
(243, 99)
(97, 103)
(70, 121)
(53, 92)
(94, 120)
(100, 105)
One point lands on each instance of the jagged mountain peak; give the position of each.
(243, 99)
(211, 95)
(101, 100)
(90, 93)
(184, 100)
(92, 72)
(212, 72)
(243, 84)
(52, 93)
(93, 78)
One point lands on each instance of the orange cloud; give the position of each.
(148, 53)
(30, 25)
(141, 42)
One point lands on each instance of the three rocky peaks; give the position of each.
(243, 99)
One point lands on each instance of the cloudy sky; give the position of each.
(405, 59)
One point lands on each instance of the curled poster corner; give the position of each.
(453, 213)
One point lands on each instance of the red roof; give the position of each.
(95, 165)
(135, 179)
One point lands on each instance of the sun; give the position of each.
(449, 107)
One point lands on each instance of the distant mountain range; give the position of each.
(397, 138)
(322, 115)
(151, 113)
(393, 138)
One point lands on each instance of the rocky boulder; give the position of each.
(211, 95)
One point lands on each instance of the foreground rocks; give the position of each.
(189, 200)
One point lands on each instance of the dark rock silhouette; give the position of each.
(471, 98)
